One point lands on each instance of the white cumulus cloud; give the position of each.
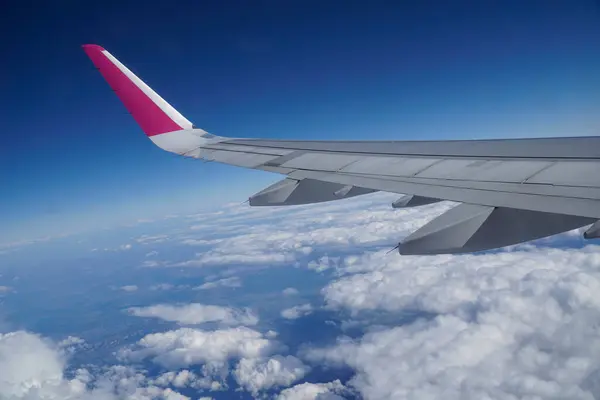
(186, 378)
(196, 313)
(32, 367)
(258, 374)
(187, 346)
(511, 324)
(314, 391)
(29, 364)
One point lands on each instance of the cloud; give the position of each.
(129, 288)
(232, 282)
(211, 352)
(123, 247)
(147, 239)
(256, 374)
(169, 394)
(71, 341)
(297, 311)
(167, 286)
(442, 284)
(186, 346)
(119, 382)
(284, 236)
(162, 286)
(196, 313)
(290, 291)
(224, 258)
(200, 242)
(324, 263)
(509, 324)
(32, 367)
(8, 247)
(28, 363)
(186, 378)
(5, 289)
(71, 345)
(313, 391)
(151, 263)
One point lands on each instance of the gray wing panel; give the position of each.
(555, 175)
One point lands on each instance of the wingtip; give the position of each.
(91, 47)
(154, 115)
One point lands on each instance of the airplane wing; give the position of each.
(510, 191)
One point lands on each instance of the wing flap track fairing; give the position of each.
(468, 228)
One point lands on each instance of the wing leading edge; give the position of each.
(510, 191)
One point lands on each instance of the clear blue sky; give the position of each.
(73, 159)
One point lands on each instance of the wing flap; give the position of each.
(570, 173)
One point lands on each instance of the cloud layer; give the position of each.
(522, 324)
(517, 323)
(282, 236)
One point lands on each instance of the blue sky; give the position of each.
(73, 159)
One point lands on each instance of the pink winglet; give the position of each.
(150, 117)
